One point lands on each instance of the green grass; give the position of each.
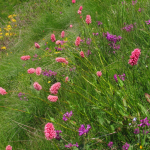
(107, 106)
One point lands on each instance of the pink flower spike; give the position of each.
(62, 60)
(55, 87)
(2, 91)
(53, 39)
(31, 70)
(37, 45)
(88, 19)
(37, 86)
(80, 8)
(49, 131)
(62, 34)
(8, 147)
(82, 54)
(66, 79)
(77, 42)
(52, 98)
(73, 1)
(99, 73)
(25, 57)
(38, 71)
(58, 42)
(79, 12)
(71, 26)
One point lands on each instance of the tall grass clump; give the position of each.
(78, 78)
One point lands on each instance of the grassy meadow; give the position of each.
(105, 96)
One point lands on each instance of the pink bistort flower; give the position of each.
(37, 86)
(80, 8)
(25, 57)
(53, 39)
(77, 42)
(134, 57)
(62, 34)
(2, 91)
(49, 131)
(99, 73)
(37, 45)
(79, 12)
(62, 60)
(31, 70)
(8, 147)
(66, 79)
(55, 87)
(38, 71)
(71, 26)
(88, 19)
(52, 98)
(73, 1)
(58, 42)
(82, 54)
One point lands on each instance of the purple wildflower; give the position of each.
(115, 77)
(82, 129)
(49, 73)
(95, 33)
(125, 147)
(58, 137)
(88, 41)
(70, 145)
(136, 131)
(147, 22)
(47, 48)
(99, 23)
(145, 132)
(35, 55)
(110, 144)
(67, 115)
(128, 28)
(134, 2)
(88, 52)
(144, 122)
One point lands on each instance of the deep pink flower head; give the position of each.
(58, 42)
(49, 131)
(73, 1)
(79, 12)
(62, 34)
(66, 79)
(55, 87)
(38, 71)
(99, 73)
(80, 8)
(2, 91)
(31, 70)
(134, 57)
(8, 147)
(52, 98)
(53, 39)
(62, 60)
(77, 42)
(88, 19)
(82, 54)
(25, 57)
(37, 86)
(37, 45)
(71, 26)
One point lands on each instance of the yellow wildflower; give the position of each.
(8, 26)
(14, 15)
(43, 39)
(49, 81)
(0, 29)
(1, 33)
(10, 16)
(1, 37)
(11, 34)
(57, 52)
(4, 48)
(13, 20)
(6, 34)
(141, 147)
(15, 25)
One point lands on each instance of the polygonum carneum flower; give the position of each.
(62, 34)
(79, 12)
(147, 22)
(71, 145)
(37, 45)
(82, 129)
(88, 19)
(134, 57)
(31, 70)
(53, 39)
(38, 71)
(55, 87)
(80, 8)
(82, 54)
(58, 137)
(71, 26)
(126, 146)
(58, 42)
(67, 115)
(99, 73)
(62, 60)
(77, 42)
(73, 1)
(2, 91)
(110, 144)
(37, 86)
(52, 98)
(8, 147)
(136, 131)
(49, 131)
(25, 57)
(66, 79)
(144, 122)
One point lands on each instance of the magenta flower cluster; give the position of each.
(22, 97)
(128, 28)
(49, 73)
(122, 77)
(144, 122)
(58, 137)
(82, 129)
(71, 145)
(67, 115)
(125, 146)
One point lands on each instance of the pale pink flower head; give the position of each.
(38, 71)
(80, 8)
(52, 98)
(88, 19)
(62, 34)
(27, 57)
(8, 147)
(73, 1)
(71, 26)
(31, 70)
(37, 45)
(79, 12)
(134, 57)
(66, 79)
(58, 42)
(55, 87)
(82, 54)
(53, 39)
(37, 86)
(62, 60)
(77, 42)
(99, 73)
(2, 91)
(49, 131)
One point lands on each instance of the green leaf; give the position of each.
(144, 110)
(120, 82)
